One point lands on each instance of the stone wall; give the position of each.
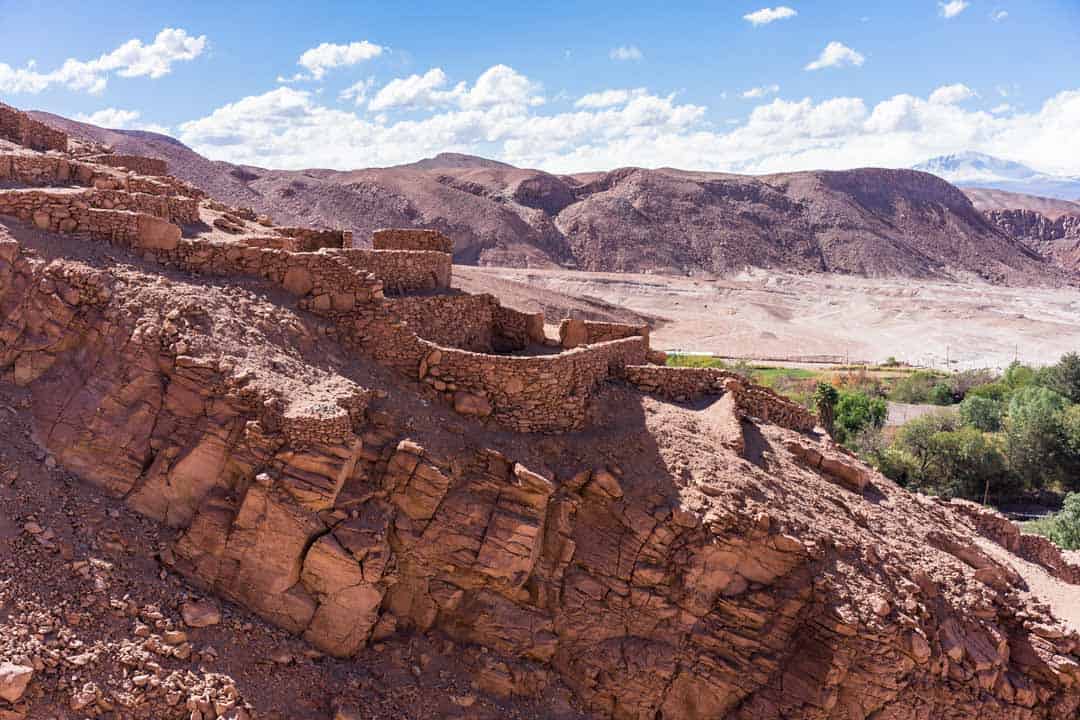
(574, 332)
(461, 321)
(404, 270)
(410, 239)
(135, 163)
(34, 169)
(515, 330)
(688, 384)
(308, 239)
(1033, 548)
(69, 213)
(547, 394)
(20, 128)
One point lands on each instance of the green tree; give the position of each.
(825, 398)
(1065, 530)
(855, 411)
(1017, 376)
(1064, 377)
(1034, 437)
(982, 413)
(916, 438)
(967, 463)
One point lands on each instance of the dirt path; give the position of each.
(1063, 598)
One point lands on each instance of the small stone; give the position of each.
(174, 637)
(200, 614)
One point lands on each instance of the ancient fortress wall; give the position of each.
(135, 163)
(20, 128)
(405, 270)
(516, 330)
(574, 332)
(24, 203)
(308, 239)
(461, 321)
(410, 239)
(688, 384)
(33, 169)
(529, 394)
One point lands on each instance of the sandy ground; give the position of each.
(764, 314)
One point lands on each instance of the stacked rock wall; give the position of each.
(688, 384)
(309, 240)
(69, 213)
(408, 239)
(574, 332)
(466, 322)
(34, 169)
(515, 330)
(135, 163)
(405, 270)
(20, 128)
(529, 394)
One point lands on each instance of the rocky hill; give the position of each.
(870, 221)
(436, 508)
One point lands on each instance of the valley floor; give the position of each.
(768, 315)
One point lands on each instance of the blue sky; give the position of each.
(738, 86)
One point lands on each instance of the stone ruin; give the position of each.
(517, 500)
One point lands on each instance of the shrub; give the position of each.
(825, 399)
(855, 411)
(1017, 376)
(932, 452)
(915, 388)
(941, 394)
(982, 413)
(963, 382)
(994, 391)
(1063, 527)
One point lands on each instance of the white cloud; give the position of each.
(327, 56)
(292, 128)
(499, 85)
(1002, 108)
(951, 94)
(117, 119)
(761, 91)
(132, 59)
(764, 16)
(608, 98)
(357, 92)
(999, 15)
(626, 52)
(836, 54)
(952, 8)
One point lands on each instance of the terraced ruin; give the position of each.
(340, 441)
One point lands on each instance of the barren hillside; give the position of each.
(868, 222)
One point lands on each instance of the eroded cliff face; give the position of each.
(672, 560)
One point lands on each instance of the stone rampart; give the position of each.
(135, 163)
(515, 330)
(402, 271)
(411, 239)
(1033, 548)
(461, 321)
(309, 240)
(547, 394)
(43, 170)
(20, 128)
(574, 332)
(688, 384)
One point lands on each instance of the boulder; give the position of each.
(469, 404)
(14, 680)
(200, 613)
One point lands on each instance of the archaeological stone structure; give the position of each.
(383, 454)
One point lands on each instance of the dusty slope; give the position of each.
(987, 200)
(868, 222)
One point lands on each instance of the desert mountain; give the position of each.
(973, 169)
(868, 221)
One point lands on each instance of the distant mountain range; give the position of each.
(873, 222)
(978, 170)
